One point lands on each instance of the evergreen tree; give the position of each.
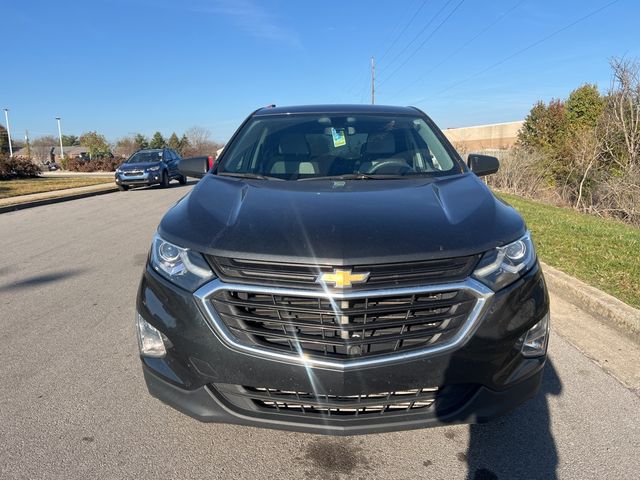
(70, 140)
(174, 142)
(140, 141)
(584, 107)
(184, 144)
(4, 140)
(157, 141)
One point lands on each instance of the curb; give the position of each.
(62, 198)
(607, 309)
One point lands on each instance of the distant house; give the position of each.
(43, 153)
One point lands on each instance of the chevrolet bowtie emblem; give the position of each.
(342, 278)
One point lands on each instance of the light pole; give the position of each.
(6, 119)
(60, 136)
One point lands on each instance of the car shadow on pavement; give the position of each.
(171, 186)
(39, 280)
(519, 445)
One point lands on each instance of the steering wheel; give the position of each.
(401, 167)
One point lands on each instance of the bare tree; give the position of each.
(521, 173)
(199, 142)
(622, 117)
(125, 146)
(586, 155)
(41, 147)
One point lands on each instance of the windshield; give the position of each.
(146, 157)
(349, 146)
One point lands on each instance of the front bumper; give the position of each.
(146, 178)
(495, 376)
(208, 405)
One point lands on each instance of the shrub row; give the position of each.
(12, 168)
(96, 165)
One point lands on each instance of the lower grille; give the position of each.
(373, 403)
(343, 328)
(132, 173)
(328, 408)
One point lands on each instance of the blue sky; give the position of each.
(125, 66)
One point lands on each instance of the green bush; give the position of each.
(12, 168)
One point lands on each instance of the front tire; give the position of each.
(165, 180)
(182, 180)
(123, 188)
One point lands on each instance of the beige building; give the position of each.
(494, 136)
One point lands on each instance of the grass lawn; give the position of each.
(603, 253)
(12, 188)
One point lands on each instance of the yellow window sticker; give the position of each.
(339, 140)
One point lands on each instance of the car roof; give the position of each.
(355, 108)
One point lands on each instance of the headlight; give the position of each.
(504, 265)
(184, 267)
(153, 169)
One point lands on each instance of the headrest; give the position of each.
(293, 144)
(381, 144)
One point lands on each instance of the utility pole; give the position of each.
(373, 81)
(6, 119)
(26, 141)
(60, 136)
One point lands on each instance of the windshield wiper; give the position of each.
(254, 176)
(354, 176)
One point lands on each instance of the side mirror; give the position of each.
(482, 164)
(196, 167)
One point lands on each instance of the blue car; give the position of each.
(156, 166)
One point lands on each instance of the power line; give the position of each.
(433, 32)
(353, 83)
(522, 50)
(393, 60)
(407, 25)
(459, 49)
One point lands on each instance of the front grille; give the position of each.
(286, 401)
(256, 272)
(132, 173)
(343, 328)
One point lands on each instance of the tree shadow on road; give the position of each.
(519, 445)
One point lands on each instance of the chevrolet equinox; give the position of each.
(341, 270)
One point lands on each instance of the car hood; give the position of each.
(341, 223)
(138, 166)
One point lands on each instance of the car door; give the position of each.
(170, 161)
(176, 162)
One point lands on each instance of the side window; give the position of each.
(176, 156)
(241, 156)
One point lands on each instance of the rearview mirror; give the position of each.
(482, 164)
(196, 167)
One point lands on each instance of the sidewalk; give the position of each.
(36, 199)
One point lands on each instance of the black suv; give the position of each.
(341, 270)
(150, 167)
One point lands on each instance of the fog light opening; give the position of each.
(150, 339)
(535, 341)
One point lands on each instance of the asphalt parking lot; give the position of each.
(73, 403)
